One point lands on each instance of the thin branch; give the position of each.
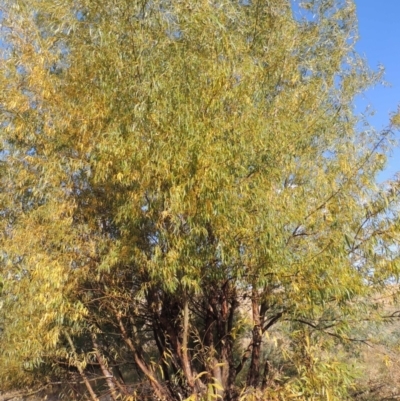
(330, 333)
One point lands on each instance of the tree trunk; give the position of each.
(187, 368)
(159, 390)
(103, 366)
(253, 376)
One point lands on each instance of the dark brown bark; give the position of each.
(160, 391)
(209, 325)
(272, 321)
(218, 341)
(230, 392)
(225, 338)
(253, 376)
(161, 346)
(170, 320)
(159, 336)
(168, 327)
(245, 357)
(265, 375)
(120, 381)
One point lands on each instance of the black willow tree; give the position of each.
(188, 206)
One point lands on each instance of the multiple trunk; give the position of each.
(183, 347)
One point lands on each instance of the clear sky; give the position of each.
(379, 30)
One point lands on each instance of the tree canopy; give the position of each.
(189, 207)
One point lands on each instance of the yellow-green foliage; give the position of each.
(165, 155)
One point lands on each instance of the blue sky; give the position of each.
(379, 30)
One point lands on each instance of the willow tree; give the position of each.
(179, 181)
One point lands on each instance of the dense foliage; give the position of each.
(189, 207)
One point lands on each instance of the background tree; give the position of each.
(180, 182)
